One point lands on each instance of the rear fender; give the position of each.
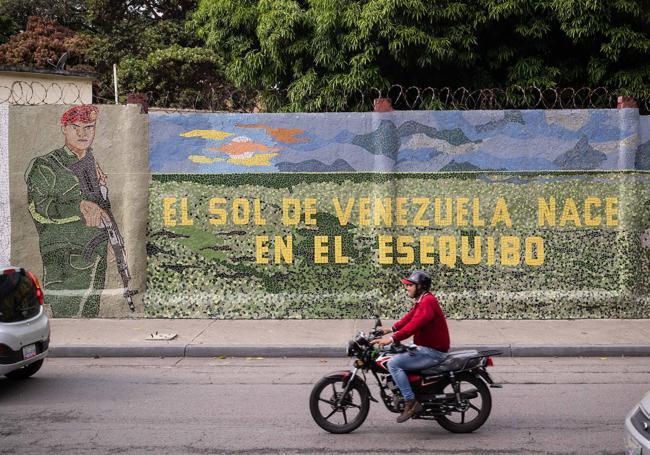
(345, 376)
(482, 372)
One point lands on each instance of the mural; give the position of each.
(330, 245)
(67, 194)
(417, 141)
(643, 153)
(642, 162)
(5, 212)
(515, 214)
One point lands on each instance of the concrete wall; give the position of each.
(276, 215)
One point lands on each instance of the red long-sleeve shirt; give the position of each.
(426, 322)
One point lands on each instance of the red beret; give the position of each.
(86, 113)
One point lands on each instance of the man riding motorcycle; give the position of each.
(427, 324)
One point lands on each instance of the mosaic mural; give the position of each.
(642, 160)
(78, 191)
(417, 141)
(5, 215)
(68, 201)
(531, 214)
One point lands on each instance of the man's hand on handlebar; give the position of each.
(382, 341)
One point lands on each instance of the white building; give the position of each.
(34, 86)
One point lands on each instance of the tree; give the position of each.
(181, 77)
(69, 13)
(136, 33)
(318, 55)
(7, 28)
(148, 40)
(322, 54)
(156, 53)
(44, 40)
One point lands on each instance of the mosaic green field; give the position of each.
(207, 270)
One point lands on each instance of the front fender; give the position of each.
(345, 376)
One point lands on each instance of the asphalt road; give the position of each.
(241, 406)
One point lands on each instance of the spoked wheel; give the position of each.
(475, 406)
(334, 412)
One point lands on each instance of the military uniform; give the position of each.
(74, 255)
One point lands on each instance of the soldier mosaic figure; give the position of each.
(68, 201)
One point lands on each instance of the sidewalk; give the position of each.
(328, 338)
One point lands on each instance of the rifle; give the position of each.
(117, 243)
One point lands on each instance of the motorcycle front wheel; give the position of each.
(335, 413)
(473, 410)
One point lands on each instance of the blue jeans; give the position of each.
(416, 359)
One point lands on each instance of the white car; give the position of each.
(24, 325)
(637, 429)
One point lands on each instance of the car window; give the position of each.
(18, 299)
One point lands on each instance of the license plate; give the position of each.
(29, 351)
(632, 446)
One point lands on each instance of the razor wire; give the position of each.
(513, 97)
(401, 97)
(35, 93)
(409, 98)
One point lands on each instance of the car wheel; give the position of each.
(26, 371)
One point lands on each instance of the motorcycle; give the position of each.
(454, 392)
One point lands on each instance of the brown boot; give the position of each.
(411, 408)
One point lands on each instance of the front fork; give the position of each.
(347, 386)
(348, 380)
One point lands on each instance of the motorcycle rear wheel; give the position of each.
(477, 394)
(332, 416)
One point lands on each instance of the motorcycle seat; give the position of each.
(456, 360)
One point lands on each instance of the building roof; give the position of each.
(48, 71)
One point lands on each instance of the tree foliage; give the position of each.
(45, 41)
(317, 55)
(183, 77)
(147, 39)
(7, 28)
(322, 53)
(69, 13)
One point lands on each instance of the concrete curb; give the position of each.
(117, 351)
(618, 350)
(192, 350)
(265, 351)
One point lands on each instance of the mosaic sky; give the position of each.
(404, 141)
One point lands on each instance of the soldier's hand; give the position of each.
(93, 214)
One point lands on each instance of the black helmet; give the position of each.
(418, 277)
